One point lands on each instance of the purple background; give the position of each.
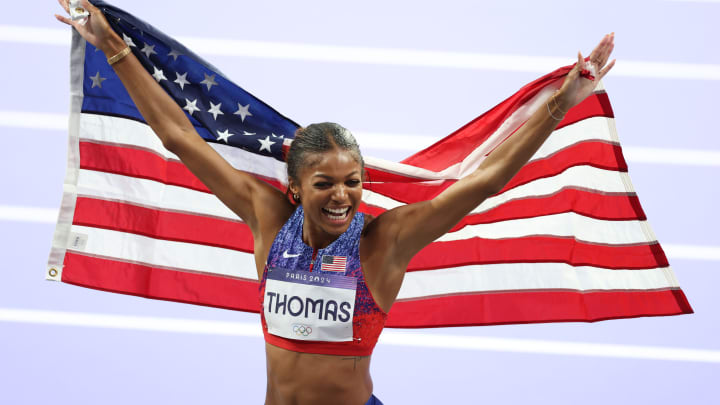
(47, 358)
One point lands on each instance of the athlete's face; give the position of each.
(330, 190)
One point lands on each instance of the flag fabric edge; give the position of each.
(62, 234)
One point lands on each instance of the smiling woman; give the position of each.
(328, 273)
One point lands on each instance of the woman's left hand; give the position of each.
(577, 86)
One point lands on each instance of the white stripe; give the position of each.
(567, 224)
(163, 253)
(585, 177)
(388, 337)
(158, 195)
(388, 141)
(49, 216)
(590, 129)
(122, 131)
(150, 193)
(384, 56)
(529, 276)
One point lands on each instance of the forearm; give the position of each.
(505, 161)
(158, 109)
(467, 193)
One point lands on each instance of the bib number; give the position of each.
(309, 306)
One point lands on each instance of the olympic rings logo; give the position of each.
(302, 330)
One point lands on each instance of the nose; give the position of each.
(339, 193)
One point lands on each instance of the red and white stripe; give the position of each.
(566, 240)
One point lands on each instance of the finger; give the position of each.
(64, 4)
(607, 69)
(600, 51)
(581, 62)
(63, 19)
(607, 49)
(597, 51)
(606, 55)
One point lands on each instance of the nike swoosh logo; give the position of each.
(288, 255)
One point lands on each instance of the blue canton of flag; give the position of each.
(221, 111)
(333, 263)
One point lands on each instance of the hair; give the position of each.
(319, 138)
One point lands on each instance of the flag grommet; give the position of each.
(53, 272)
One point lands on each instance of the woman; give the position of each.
(329, 274)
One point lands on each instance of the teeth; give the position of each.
(336, 214)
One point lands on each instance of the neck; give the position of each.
(316, 238)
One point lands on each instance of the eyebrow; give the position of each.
(325, 176)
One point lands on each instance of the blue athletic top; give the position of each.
(341, 258)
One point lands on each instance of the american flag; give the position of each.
(333, 263)
(565, 240)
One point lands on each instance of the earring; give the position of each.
(296, 197)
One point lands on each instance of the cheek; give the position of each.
(356, 193)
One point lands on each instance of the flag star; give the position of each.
(223, 136)
(128, 41)
(209, 81)
(158, 74)
(181, 80)
(265, 144)
(215, 110)
(148, 50)
(191, 106)
(174, 54)
(97, 80)
(243, 111)
(246, 133)
(277, 136)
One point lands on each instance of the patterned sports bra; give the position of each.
(316, 300)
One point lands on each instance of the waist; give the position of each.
(295, 377)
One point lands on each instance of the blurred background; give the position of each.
(450, 61)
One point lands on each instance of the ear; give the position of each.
(294, 188)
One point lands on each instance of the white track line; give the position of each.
(383, 56)
(19, 213)
(388, 337)
(400, 142)
(692, 1)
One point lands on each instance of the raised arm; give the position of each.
(410, 228)
(244, 194)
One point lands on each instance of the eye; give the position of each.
(353, 183)
(322, 184)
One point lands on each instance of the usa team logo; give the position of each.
(302, 330)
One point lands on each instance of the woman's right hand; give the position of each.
(96, 31)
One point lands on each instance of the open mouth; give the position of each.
(336, 214)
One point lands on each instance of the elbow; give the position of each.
(489, 184)
(169, 143)
(172, 138)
